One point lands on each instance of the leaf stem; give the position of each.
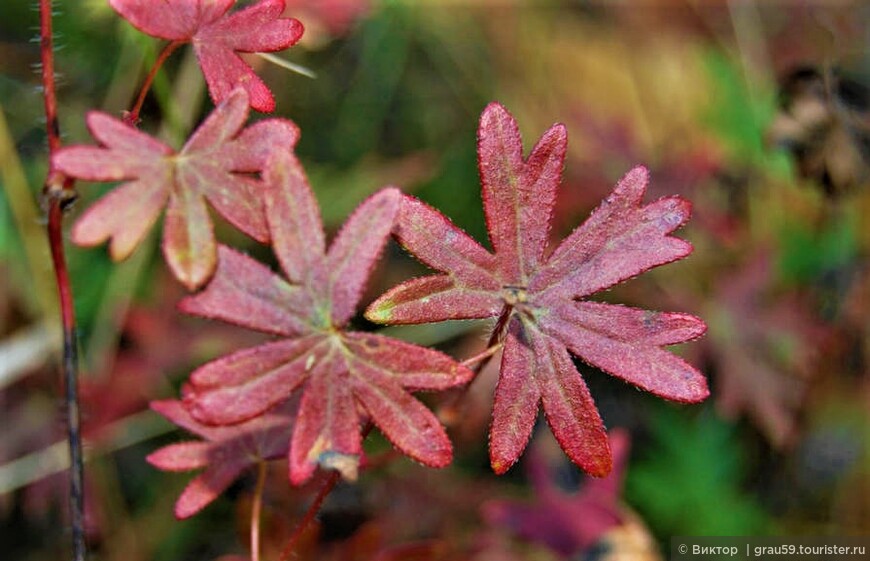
(314, 508)
(256, 508)
(70, 371)
(312, 511)
(482, 357)
(132, 117)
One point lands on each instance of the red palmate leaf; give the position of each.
(539, 297)
(224, 452)
(345, 376)
(214, 165)
(567, 522)
(217, 36)
(764, 344)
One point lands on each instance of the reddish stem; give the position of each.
(58, 192)
(132, 117)
(256, 508)
(312, 511)
(481, 356)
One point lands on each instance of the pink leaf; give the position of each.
(225, 452)
(210, 167)
(535, 295)
(218, 37)
(344, 377)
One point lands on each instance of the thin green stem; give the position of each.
(132, 117)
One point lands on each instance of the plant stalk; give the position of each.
(312, 511)
(58, 193)
(132, 117)
(256, 509)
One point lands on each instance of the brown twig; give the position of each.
(58, 192)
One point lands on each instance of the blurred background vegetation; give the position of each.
(757, 112)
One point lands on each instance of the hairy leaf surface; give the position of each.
(217, 37)
(224, 452)
(214, 166)
(539, 297)
(345, 377)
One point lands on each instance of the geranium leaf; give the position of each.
(517, 397)
(217, 37)
(567, 522)
(536, 296)
(242, 385)
(213, 166)
(621, 239)
(353, 252)
(225, 452)
(518, 218)
(189, 246)
(345, 377)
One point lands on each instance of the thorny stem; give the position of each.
(58, 192)
(132, 118)
(256, 508)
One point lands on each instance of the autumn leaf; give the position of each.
(214, 165)
(539, 298)
(764, 344)
(345, 376)
(217, 37)
(567, 522)
(225, 452)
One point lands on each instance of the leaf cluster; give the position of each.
(312, 393)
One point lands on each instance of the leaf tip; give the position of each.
(500, 465)
(600, 465)
(380, 311)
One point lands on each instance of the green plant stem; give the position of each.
(256, 509)
(132, 117)
(58, 192)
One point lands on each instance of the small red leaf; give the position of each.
(211, 167)
(535, 295)
(328, 421)
(569, 408)
(225, 453)
(217, 37)
(242, 385)
(355, 249)
(344, 377)
(517, 397)
(294, 221)
(246, 292)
